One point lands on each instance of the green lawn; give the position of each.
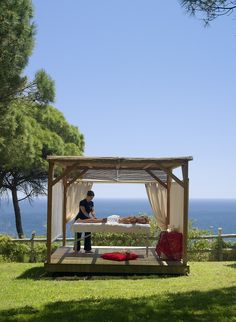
(207, 294)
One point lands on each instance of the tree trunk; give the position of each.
(19, 228)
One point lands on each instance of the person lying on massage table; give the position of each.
(86, 210)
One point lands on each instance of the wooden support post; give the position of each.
(64, 212)
(168, 200)
(220, 245)
(147, 243)
(49, 217)
(32, 255)
(185, 219)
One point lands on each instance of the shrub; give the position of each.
(21, 252)
(13, 251)
(196, 246)
(208, 249)
(123, 239)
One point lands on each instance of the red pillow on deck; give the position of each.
(131, 256)
(117, 256)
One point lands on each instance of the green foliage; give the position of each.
(21, 252)
(45, 87)
(229, 244)
(54, 121)
(11, 251)
(41, 90)
(221, 245)
(16, 44)
(18, 141)
(123, 239)
(207, 249)
(195, 246)
(29, 129)
(39, 253)
(31, 132)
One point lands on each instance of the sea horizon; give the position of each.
(204, 213)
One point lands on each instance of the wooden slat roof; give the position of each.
(119, 162)
(119, 169)
(123, 175)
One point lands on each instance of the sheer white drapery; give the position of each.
(157, 196)
(57, 209)
(176, 206)
(76, 192)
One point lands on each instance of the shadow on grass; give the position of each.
(39, 273)
(34, 273)
(216, 305)
(231, 265)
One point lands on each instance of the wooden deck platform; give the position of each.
(63, 260)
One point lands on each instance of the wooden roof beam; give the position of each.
(65, 173)
(156, 178)
(149, 165)
(169, 172)
(76, 177)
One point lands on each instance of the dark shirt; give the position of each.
(88, 205)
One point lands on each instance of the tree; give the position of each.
(16, 45)
(211, 9)
(29, 128)
(31, 132)
(17, 36)
(17, 33)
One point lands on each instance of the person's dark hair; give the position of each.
(90, 193)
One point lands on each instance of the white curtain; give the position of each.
(57, 209)
(76, 192)
(157, 196)
(176, 206)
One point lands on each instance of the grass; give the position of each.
(207, 294)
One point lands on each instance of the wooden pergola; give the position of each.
(72, 169)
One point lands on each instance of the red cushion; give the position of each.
(114, 256)
(131, 256)
(170, 244)
(117, 256)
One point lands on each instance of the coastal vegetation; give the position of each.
(30, 129)
(198, 249)
(30, 133)
(17, 39)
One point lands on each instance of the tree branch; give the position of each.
(26, 197)
(212, 9)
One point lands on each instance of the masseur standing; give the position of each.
(86, 210)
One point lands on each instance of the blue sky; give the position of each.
(141, 78)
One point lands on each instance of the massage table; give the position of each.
(105, 227)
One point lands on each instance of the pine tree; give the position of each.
(210, 9)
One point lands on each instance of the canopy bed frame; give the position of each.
(70, 177)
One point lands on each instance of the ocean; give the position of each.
(205, 213)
